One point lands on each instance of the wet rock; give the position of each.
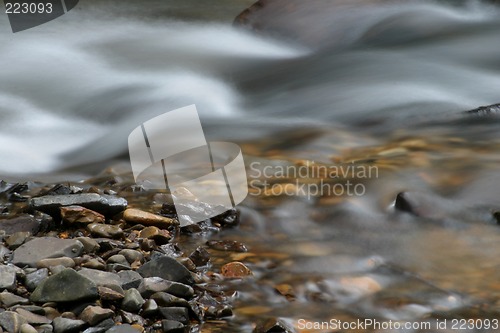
(66, 286)
(33, 318)
(132, 301)
(227, 245)
(103, 326)
(37, 249)
(152, 285)
(149, 309)
(136, 216)
(200, 256)
(103, 279)
(273, 325)
(105, 230)
(9, 299)
(66, 325)
(17, 239)
(166, 300)
(11, 321)
(95, 314)
(33, 279)
(130, 279)
(166, 268)
(22, 223)
(124, 328)
(172, 326)
(179, 314)
(105, 204)
(7, 277)
(108, 294)
(230, 218)
(160, 236)
(94, 263)
(79, 214)
(50, 262)
(235, 269)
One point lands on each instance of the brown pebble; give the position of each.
(78, 214)
(135, 216)
(235, 269)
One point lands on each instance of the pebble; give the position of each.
(101, 327)
(137, 216)
(21, 223)
(105, 230)
(160, 236)
(95, 314)
(132, 255)
(152, 285)
(133, 300)
(165, 299)
(124, 328)
(9, 299)
(129, 279)
(66, 286)
(235, 269)
(17, 239)
(166, 268)
(33, 279)
(105, 204)
(79, 214)
(50, 262)
(108, 294)
(200, 256)
(7, 277)
(149, 309)
(175, 313)
(11, 321)
(41, 248)
(89, 245)
(103, 279)
(274, 325)
(33, 318)
(227, 245)
(66, 325)
(172, 326)
(27, 328)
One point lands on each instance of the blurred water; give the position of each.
(72, 90)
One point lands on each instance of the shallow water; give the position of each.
(385, 88)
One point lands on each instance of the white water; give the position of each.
(73, 89)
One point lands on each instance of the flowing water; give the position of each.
(321, 89)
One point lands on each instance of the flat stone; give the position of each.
(152, 285)
(105, 204)
(22, 223)
(66, 286)
(172, 326)
(66, 325)
(7, 277)
(165, 299)
(33, 279)
(79, 214)
(132, 301)
(37, 249)
(137, 216)
(49, 262)
(235, 269)
(168, 269)
(130, 279)
(105, 230)
(103, 279)
(33, 318)
(11, 321)
(179, 314)
(9, 299)
(124, 328)
(95, 314)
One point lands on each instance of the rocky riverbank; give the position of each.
(82, 258)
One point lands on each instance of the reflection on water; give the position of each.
(376, 97)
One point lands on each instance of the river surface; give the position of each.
(321, 97)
